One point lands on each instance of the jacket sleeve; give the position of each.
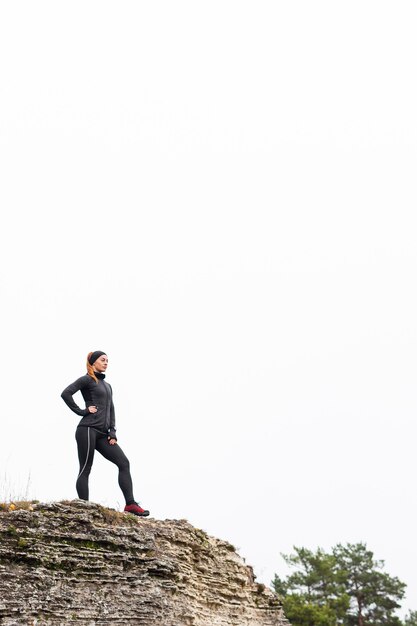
(67, 394)
(112, 429)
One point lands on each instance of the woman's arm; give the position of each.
(112, 429)
(67, 394)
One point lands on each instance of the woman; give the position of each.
(97, 429)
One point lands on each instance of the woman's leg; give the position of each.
(86, 443)
(116, 455)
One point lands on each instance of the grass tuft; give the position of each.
(19, 505)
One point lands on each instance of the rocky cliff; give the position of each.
(79, 563)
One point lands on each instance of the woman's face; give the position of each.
(101, 364)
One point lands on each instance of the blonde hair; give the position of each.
(90, 370)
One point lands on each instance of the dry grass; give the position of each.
(115, 518)
(18, 505)
(12, 491)
(111, 516)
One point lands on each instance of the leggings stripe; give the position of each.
(88, 452)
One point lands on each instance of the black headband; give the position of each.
(95, 355)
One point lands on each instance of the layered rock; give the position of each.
(79, 563)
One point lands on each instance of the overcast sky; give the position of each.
(222, 196)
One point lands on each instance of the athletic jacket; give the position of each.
(95, 394)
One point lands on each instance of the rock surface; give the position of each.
(79, 563)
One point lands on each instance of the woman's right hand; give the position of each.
(92, 409)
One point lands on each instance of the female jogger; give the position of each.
(97, 429)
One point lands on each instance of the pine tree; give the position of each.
(345, 587)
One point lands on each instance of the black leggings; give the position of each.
(89, 440)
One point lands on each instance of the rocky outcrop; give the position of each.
(79, 563)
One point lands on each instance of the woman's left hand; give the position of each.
(112, 442)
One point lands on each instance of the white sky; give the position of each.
(222, 196)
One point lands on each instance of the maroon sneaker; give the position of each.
(135, 509)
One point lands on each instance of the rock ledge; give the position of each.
(80, 563)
